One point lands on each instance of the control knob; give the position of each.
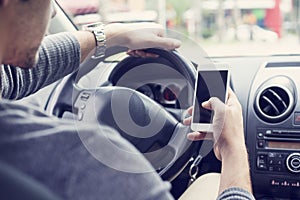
(293, 162)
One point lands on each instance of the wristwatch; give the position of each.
(98, 30)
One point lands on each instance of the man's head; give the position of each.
(23, 24)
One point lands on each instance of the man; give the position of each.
(49, 149)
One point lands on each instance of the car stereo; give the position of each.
(278, 151)
(277, 161)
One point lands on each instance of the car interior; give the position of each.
(267, 87)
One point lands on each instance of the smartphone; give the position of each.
(209, 83)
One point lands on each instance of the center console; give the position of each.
(273, 130)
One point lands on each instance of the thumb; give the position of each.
(214, 104)
(219, 114)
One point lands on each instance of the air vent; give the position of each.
(275, 102)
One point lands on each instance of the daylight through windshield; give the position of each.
(220, 27)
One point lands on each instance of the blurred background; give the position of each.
(222, 27)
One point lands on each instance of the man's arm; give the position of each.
(229, 147)
(134, 36)
(61, 54)
(235, 169)
(77, 161)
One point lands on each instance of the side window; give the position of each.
(81, 11)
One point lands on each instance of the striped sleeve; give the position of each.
(59, 55)
(235, 194)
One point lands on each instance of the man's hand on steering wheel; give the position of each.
(139, 36)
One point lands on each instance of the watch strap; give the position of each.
(98, 30)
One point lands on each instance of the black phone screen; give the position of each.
(210, 83)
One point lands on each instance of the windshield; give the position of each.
(220, 27)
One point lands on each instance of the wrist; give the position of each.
(97, 29)
(230, 148)
(233, 149)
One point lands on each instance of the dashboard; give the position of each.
(268, 89)
(269, 94)
(166, 95)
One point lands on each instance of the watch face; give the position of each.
(94, 26)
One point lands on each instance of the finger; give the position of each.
(190, 110)
(140, 53)
(232, 99)
(187, 121)
(132, 53)
(151, 55)
(195, 136)
(144, 54)
(165, 43)
(129, 52)
(230, 92)
(206, 105)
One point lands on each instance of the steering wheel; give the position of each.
(150, 127)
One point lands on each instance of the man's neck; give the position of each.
(0, 56)
(3, 38)
(1, 47)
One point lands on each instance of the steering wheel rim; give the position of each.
(176, 61)
(177, 140)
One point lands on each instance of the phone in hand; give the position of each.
(209, 83)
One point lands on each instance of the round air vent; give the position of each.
(275, 100)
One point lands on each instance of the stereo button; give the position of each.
(260, 135)
(261, 143)
(262, 162)
(268, 132)
(272, 155)
(278, 169)
(271, 162)
(279, 162)
(262, 156)
(280, 156)
(262, 166)
(293, 162)
(271, 169)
